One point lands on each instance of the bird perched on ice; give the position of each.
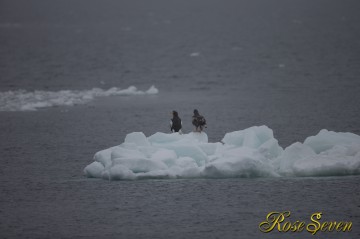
(175, 123)
(198, 121)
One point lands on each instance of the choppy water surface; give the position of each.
(292, 66)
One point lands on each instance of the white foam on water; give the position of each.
(22, 100)
(252, 152)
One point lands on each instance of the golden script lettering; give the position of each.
(277, 221)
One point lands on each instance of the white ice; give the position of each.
(22, 100)
(253, 152)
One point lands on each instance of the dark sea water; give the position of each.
(291, 65)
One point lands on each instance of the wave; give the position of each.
(22, 100)
(252, 152)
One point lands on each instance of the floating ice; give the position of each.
(195, 54)
(253, 152)
(326, 154)
(22, 100)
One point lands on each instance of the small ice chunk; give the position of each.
(94, 170)
(195, 54)
(137, 138)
